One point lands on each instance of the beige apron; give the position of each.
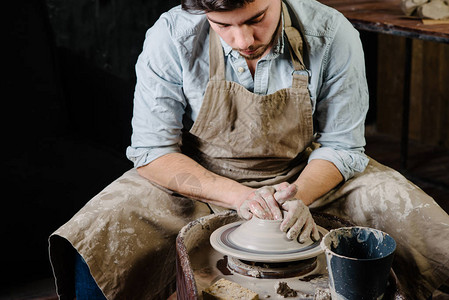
(254, 139)
(126, 234)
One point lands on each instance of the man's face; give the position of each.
(250, 30)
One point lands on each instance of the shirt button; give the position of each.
(241, 69)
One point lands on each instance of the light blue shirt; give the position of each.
(173, 71)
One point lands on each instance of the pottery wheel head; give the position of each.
(262, 241)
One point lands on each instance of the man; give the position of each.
(252, 105)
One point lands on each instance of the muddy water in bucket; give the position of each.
(359, 261)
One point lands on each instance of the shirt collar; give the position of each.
(276, 50)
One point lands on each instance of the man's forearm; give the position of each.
(317, 178)
(172, 169)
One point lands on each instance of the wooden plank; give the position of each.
(429, 108)
(390, 84)
(443, 78)
(429, 90)
(416, 91)
(431, 99)
(434, 22)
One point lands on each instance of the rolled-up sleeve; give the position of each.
(342, 104)
(159, 102)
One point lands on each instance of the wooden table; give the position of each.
(386, 16)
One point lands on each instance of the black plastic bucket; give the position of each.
(359, 261)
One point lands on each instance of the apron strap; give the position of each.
(216, 62)
(299, 79)
(294, 39)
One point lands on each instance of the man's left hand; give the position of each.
(298, 220)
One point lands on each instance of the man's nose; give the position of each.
(243, 37)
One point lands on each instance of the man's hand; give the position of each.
(298, 220)
(265, 202)
(262, 204)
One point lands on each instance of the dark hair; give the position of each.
(205, 6)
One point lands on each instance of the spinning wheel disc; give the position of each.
(271, 248)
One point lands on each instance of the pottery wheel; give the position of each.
(272, 270)
(224, 242)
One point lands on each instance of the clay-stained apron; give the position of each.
(126, 234)
(254, 139)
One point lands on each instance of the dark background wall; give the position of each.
(67, 92)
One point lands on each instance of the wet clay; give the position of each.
(284, 290)
(271, 270)
(222, 265)
(262, 241)
(322, 294)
